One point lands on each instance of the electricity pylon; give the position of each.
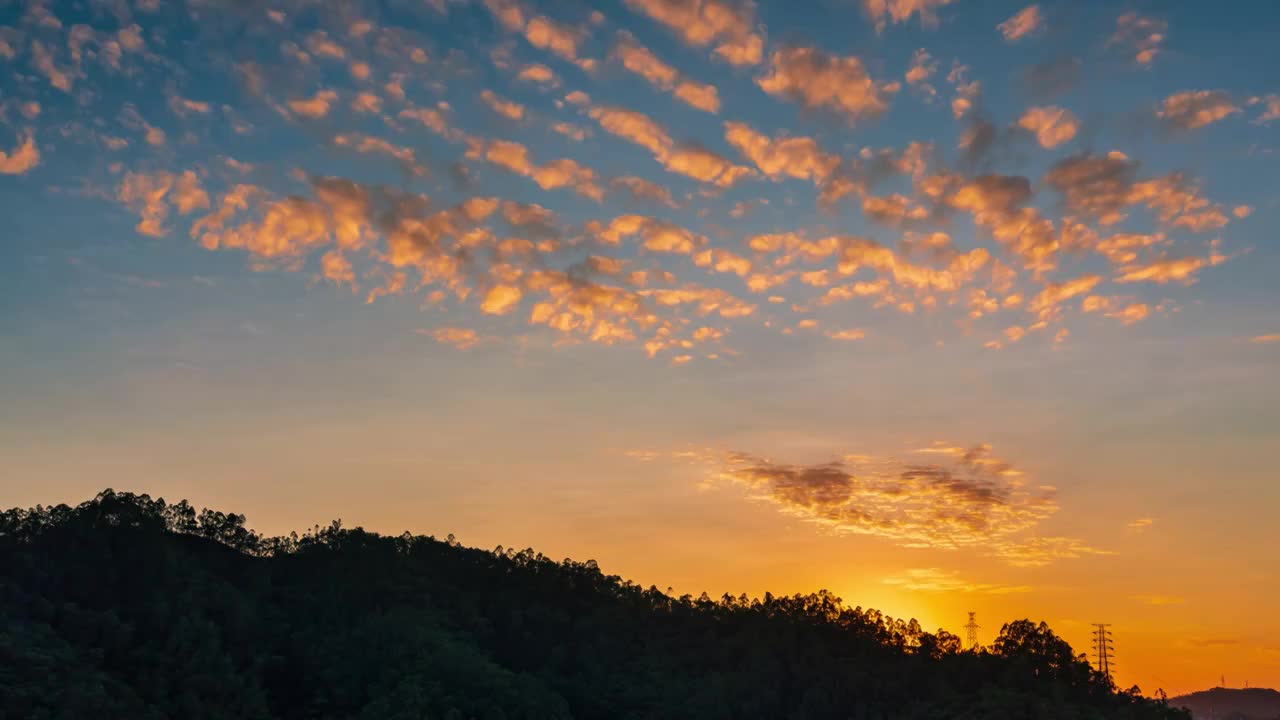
(1103, 649)
(972, 628)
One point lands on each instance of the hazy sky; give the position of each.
(942, 305)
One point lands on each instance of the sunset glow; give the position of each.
(941, 305)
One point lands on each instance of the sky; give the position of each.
(941, 305)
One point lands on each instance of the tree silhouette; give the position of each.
(128, 607)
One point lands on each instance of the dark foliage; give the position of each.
(1231, 703)
(128, 607)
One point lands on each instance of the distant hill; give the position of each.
(1231, 704)
(129, 607)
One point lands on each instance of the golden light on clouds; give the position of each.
(22, 158)
(941, 497)
(936, 580)
(1192, 109)
(1024, 23)
(1098, 190)
(822, 81)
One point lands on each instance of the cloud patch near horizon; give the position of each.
(937, 580)
(943, 497)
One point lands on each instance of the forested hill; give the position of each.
(1222, 703)
(128, 607)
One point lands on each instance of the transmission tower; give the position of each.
(1103, 648)
(972, 629)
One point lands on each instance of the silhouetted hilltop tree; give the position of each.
(129, 607)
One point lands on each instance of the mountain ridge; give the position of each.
(1222, 703)
(125, 606)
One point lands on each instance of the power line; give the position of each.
(972, 627)
(1103, 649)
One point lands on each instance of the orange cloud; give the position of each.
(22, 158)
(552, 175)
(922, 68)
(1177, 201)
(796, 157)
(703, 22)
(1270, 108)
(883, 12)
(412, 247)
(319, 44)
(601, 313)
(634, 127)
(1096, 186)
(288, 228)
(1041, 551)
(655, 234)
(569, 130)
(1124, 248)
(335, 267)
(188, 196)
(362, 143)
(1192, 109)
(561, 40)
(366, 102)
(500, 300)
(1103, 186)
(361, 70)
(1052, 126)
(506, 108)
(394, 88)
(1025, 22)
(42, 61)
(641, 61)
(892, 210)
(145, 194)
(182, 107)
(942, 581)
(1140, 35)
(704, 300)
(527, 261)
(538, 73)
(966, 91)
(151, 195)
(314, 107)
(434, 121)
(723, 261)
(1166, 270)
(1132, 313)
(642, 189)
(818, 80)
(853, 254)
(460, 338)
(995, 202)
(969, 499)
(689, 160)
(1054, 294)
(1127, 314)
(698, 95)
(541, 32)
(705, 165)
